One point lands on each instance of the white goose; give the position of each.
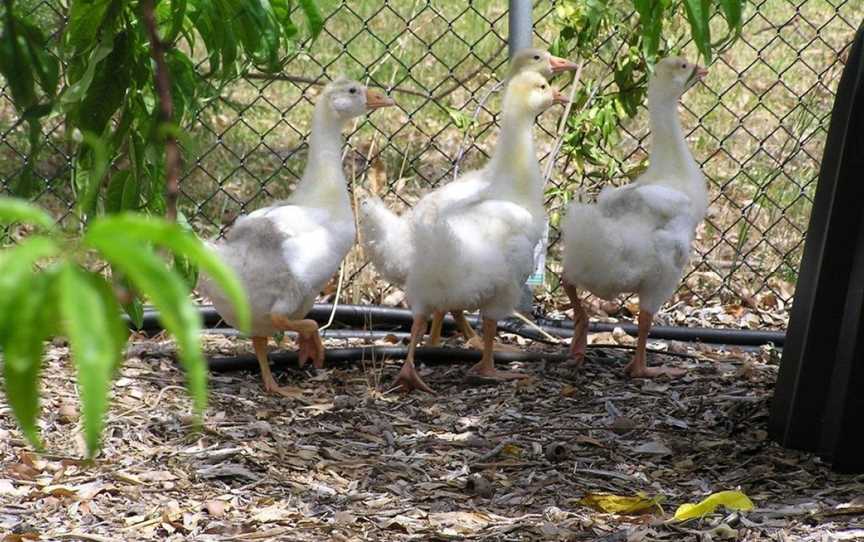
(637, 238)
(386, 237)
(475, 237)
(284, 254)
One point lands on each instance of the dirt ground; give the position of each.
(347, 460)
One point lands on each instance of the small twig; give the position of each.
(649, 350)
(480, 105)
(551, 338)
(562, 126)
(336, 299)
(494, 451)
(166, 110)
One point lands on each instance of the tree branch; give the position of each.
(162, 79)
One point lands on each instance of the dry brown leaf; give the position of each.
(377, 176)
(22, 471)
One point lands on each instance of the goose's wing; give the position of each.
(470, 189)
(660, 203)
(270, 227)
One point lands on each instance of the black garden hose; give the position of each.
(395, 319)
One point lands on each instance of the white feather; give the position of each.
(636, 238)
(286, 253)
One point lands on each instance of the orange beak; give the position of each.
(375, 99)
(559, 64)
(559, 98)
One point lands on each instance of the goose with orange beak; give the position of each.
(475, 236)
(386, 237)
(285, 254)
(636, 238)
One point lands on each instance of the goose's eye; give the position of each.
(353, 91)
(536, 57)
(683, 66)
(542, 87)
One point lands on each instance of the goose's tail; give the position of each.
(386, 239)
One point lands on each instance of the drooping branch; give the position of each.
(162, 78)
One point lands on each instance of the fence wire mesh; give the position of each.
(757, 124)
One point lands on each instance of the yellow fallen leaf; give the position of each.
(511, 450)
(621, 504)
(734, 500)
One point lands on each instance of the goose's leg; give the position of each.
(485, 368)
(308, 338)
(270, 385)
(465, 328)
(435, 331)
(472, 339)
(579, 342)
(408, 378)
(638, 368)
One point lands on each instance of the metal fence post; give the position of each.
(521, 27)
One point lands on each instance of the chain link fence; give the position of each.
(757, 125)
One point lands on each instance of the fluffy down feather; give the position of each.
(477, 252)
(634, 239)
(386, 239)
(311, 242)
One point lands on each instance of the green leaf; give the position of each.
(177, 16)
(16, 64)
(184, 265)
(85, 20)
(314, 19)
(19, 210)
(90, 166)
(149, 275)
(16, 264)
(135, 310)
(90, 321)
(184, 85)
(142, 229)
(35, 319)
(76, 91)
(698, 15)
(104, 95)
(651, 14)
(732, 13)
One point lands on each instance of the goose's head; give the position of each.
(528, 93)
(540, 61)
(672, 77)
(347, 99)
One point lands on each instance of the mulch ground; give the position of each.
(344, 459)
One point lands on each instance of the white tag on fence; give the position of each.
(538, 277)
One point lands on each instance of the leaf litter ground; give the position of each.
(343, 459)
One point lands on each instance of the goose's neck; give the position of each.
(323, 183)
(669, 151)
(514, 160)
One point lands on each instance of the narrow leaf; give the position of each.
(16, 265)
(698, 14)
(142, 229)
(149, 275)
(19, 210)
(85, 21)
(732, 12)
(22, 349)
(313, 16)
(90, 324)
